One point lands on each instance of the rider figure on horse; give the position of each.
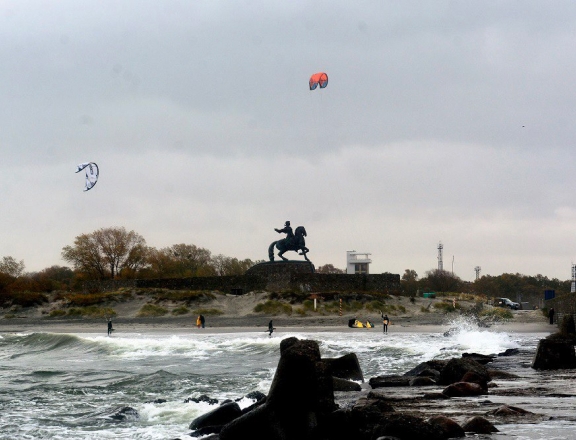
(287, 229)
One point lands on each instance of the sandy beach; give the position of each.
(283, 326)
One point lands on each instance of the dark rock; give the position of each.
(205, 431)
(508, 410)
(553, 355)
(158, 401)
(202, 398)
(429, 368)
(479, 425)
(407, 427)
(345, 385)
(450, 428)
(125, 413)
(422, 381)
(455, 369)
(509, 352)
(345, 367)
(475, 378)
(339, 426)
(300, 397)
(368, 410)
(463, 389)
(389, 381)
(218, 416)
(255, 395)
(480, 358)
(567, 326)
(497, 374)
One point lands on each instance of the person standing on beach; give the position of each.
(110, 329)
(385, 322)
(198, 322)
(551, 315)
(270, 328)
(202, 321)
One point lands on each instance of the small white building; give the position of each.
(357, 262)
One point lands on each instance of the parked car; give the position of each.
(505, 302)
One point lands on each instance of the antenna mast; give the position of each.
(440, 263)
(477, 270)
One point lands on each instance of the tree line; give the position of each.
(514, 286)
(115, 253)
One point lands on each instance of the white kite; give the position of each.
(91, 174)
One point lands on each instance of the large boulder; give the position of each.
(407, 427)
(217, 417)
(345, 367)
(389, 381)
(554, 354)
(463, 389)
(455, 369)
(300, 398)
(430, 368)
(480, 358)
(479, 425)
(450, 428)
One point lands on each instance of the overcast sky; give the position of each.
(447, 121)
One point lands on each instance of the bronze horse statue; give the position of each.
(295, 243)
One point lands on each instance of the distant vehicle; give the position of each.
(505, 302)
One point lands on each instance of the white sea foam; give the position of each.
(87, 373)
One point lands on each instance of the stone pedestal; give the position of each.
(279, 274)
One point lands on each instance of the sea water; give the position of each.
(68, 386)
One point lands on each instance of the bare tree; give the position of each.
(10, 266)
(107, 253)
(329, 268)
(181, 260)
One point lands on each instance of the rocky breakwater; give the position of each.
(327, 399)
(557, 350)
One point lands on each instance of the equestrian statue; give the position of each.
(294, 241)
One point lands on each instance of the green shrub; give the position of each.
(375, 306)
(182, 295)
(446, 306)
(497, 313)
(424, 309)
(208, 312)
(9, 316)
(57, 313)
(402, 309)
(22, 298)
(273, 307)
(90, 299)
(91, 312)
(182, 310)
(308, 304)
(151, 310)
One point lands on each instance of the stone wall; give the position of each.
(228, 284)
(276, 278)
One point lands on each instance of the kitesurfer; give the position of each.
(110, 329)
(385, 322)
(270, 328)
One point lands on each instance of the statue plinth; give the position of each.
(279, 274)
(281, 267)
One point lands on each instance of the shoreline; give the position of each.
(179, 328)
